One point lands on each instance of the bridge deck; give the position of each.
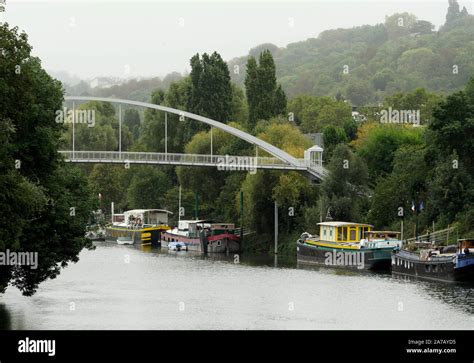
(226, 162)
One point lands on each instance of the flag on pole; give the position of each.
(421, 207)
(413, 206)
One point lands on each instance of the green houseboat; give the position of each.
(350, 245)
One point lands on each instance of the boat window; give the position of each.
(330, 232)
(427, 268)
(353, 233)
(340, 234)
(435, 268)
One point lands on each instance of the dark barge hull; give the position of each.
(374, 258)
(406, 264)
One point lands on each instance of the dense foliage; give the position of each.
(367, 63)
(44, 204)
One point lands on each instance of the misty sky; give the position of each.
(153, 38)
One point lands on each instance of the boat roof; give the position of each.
(147, 210)
(342, 224)
(392, 232)
(195, 221)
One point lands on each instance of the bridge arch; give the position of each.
(269, 148)
(315, 170)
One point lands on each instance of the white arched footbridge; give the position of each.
(280, 159)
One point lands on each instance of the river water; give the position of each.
(126, 287)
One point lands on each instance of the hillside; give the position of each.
(363, 64)
(367, 63)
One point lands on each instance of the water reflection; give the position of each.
(5, 318)
(141, 287)
(458, 295)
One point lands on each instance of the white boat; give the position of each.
(177, 246)
(381, 239)
(124, 241)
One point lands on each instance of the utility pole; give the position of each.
(241, 219)
(196, 206)
(179, 207)
(120, 130)
(166, 139)
(73, 122)
(112, 211)
(276, 228)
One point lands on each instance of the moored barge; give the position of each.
(143, 226)
(443, 263)
(204, 236)
(342, 244)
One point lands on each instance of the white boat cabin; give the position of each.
(192, 228)
(140, 217)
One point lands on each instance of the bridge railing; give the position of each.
(167, 158)
(193, 159)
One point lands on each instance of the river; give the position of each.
(126, 287)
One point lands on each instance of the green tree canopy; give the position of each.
(45, 204)
(264, 97)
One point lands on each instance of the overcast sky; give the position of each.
(153, 38)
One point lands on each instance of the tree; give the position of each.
(147, 188)
(422, 27)
(280, 101)
(379, 147)
(180, 130)
(332, 136)
(239, 106)
(453, 13)
(251, 90)
(264, 97)
(344, 191)
(313, 113)
(102, 134)
(452, 127)
(45, 203)
(399, 24)
(211, 90)
(451, 190)
(359, 92)
(418, 99)
(109, 181)
(404, 185)
(132, 121)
